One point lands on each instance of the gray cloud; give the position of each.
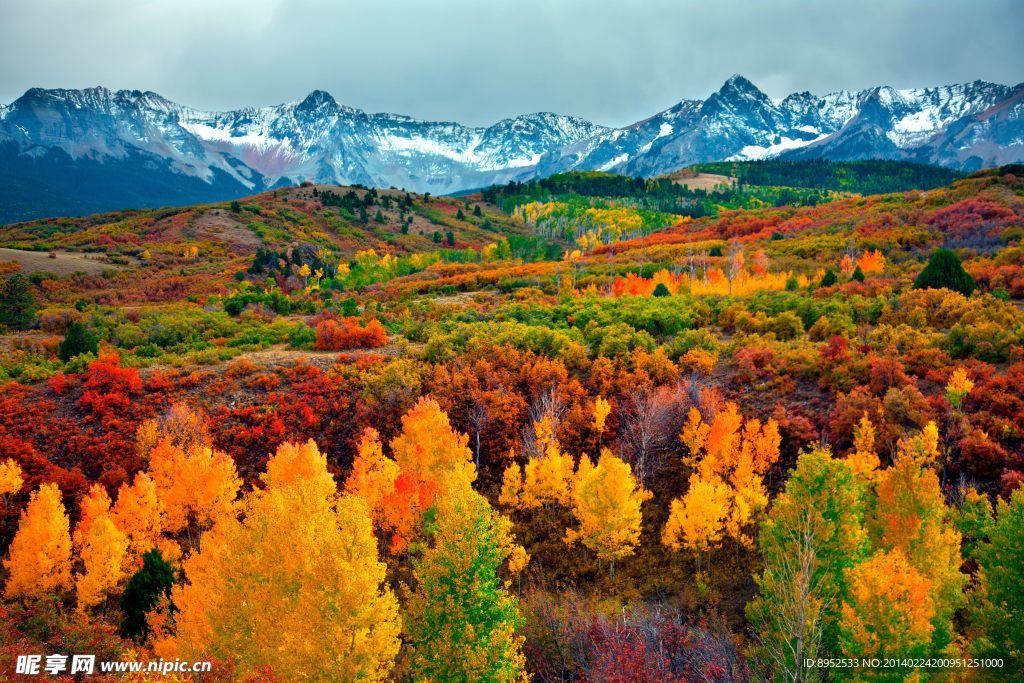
(610, 61)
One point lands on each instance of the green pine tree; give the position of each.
(17, 303)
(944, 271)
(147, 586)
(78, 339)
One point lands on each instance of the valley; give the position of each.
(621, 399)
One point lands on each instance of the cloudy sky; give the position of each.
(477, 61)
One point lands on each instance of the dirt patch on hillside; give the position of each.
(60, 263)
(218, 225)
(702, 181)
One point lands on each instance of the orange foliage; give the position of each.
(332, 336)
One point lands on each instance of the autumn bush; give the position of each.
(348, 333)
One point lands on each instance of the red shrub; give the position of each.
(332, 336)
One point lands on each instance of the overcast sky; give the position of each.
(477, 61)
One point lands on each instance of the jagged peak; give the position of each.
(317, 99)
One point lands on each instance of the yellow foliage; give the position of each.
(194, 488)
(373, 474)
(606, 503)
(890, 610)
(93, 506)
(39, 561)
(863, 458)
(958, 387)
(922, 447)
(297, 585)
(428, 449)
(103, 554)
(547, 479)
(138, 515)
(730, 457)
(697, 520)
(602, 408)
(511, 486)
(11, 478)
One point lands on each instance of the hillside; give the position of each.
(720, 368)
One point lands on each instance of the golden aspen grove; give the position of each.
(725, 448)
(298, 391)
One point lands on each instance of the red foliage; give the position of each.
(332, 336)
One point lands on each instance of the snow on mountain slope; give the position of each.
(138, 148)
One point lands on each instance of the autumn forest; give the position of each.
(745, 422)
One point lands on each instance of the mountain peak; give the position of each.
(740, 83)
(316, 100)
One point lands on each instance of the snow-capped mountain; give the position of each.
(968, 126)
(79, 151)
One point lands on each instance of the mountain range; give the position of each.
(68, 152)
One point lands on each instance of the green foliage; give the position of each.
(813, 535)
(462, 620)
(79, 339)
(944, 271)
(661, 290)
(17, 303)
(829, 278)
(151, 583)
(999, 610)
(862, 177)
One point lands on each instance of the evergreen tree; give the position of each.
(858, 274)
(450, 237)
(661, 290)
(476, 211)
(77, 340)
(236, 207)
(460, 216)
(944, 271)
(17, 303)
(147, 586)
(829, 278)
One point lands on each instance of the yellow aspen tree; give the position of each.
(890, 609)
(602, 408)
(428, 448)
(730, 457)
(863, 458)
(697, 520)
(184, 426)
(910, 515)
(11, 479)
(39, 561)
(432, 458)
(606, 503)
(922, 447)
(103, 553)
(547, 479)
(295, 585)
(138, 515)
(511, 486)
(94, 505)
(194, 488)
(373, 474)
(958, 387)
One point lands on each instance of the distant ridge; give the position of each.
(80, 151)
